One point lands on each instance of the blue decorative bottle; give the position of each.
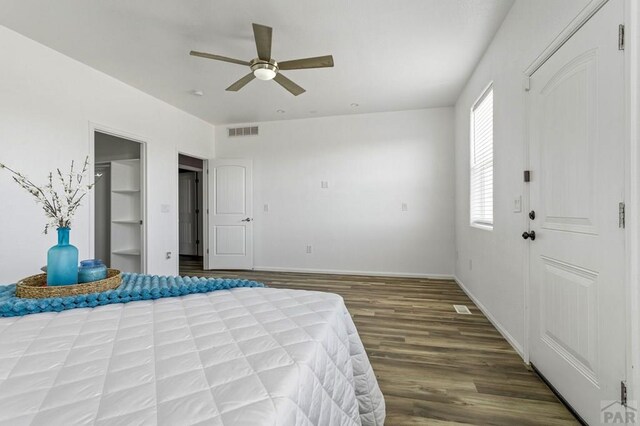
(62, 261)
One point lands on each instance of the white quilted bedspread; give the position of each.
(247, 356)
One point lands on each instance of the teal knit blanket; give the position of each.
(134, 287)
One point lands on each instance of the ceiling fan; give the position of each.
(264, 67)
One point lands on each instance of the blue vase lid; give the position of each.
(91, 263)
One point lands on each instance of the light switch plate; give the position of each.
(517, 204)
(165, 208)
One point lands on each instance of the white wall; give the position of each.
(373, 163)
(496, 279)
(47, 101)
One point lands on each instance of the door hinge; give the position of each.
(623, 393)
(621, 215)
(527, 176)
(207, 251)
(197, 242)
(621, 37)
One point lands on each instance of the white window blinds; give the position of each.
(482, 160)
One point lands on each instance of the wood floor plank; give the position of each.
(434, 366)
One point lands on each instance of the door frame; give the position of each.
(204, 215)
(631, 20)
(93, 128)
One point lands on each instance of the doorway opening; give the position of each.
(119, 202)
(190, 213)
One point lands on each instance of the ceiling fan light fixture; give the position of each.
(263, 70)
(264, 74)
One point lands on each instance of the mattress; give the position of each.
(245, 356)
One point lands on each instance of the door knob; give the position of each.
(247, 219)
(531, 235)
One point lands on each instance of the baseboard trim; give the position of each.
(508, 337)
(342, 272)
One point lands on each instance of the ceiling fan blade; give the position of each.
(241, 83)
(263, 34)
(299, 64)
(288, 84)
(219, 58)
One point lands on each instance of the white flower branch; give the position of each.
(59, 204)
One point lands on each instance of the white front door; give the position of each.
(230, 214)
(187, 216)
(577, 302)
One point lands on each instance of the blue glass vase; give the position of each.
(62, 261)
(91, 270)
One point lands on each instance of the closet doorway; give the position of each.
(119, 202)
(190, 211)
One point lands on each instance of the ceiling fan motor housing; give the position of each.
(264, 70)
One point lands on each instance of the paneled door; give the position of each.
(577, 302)
(187, 217)
(230, 214)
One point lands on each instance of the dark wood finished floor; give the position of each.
(434, 366)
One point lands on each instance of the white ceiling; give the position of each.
(389, 55)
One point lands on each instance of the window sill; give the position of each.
(482, 226)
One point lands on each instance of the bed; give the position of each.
(245, 356)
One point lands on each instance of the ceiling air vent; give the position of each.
(243, 131)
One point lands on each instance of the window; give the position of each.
(482, 160)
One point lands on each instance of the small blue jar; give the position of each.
(91, 270)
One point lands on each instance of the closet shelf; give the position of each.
(125, 191)
(127, 252)
(126, 212)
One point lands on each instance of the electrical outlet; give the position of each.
(405, 208)
(266, 208)
(308, 249)
(324, 184)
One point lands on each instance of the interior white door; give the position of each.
(577, 309)
(187, 217)
(230, 214)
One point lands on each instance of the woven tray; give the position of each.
(35, 286)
